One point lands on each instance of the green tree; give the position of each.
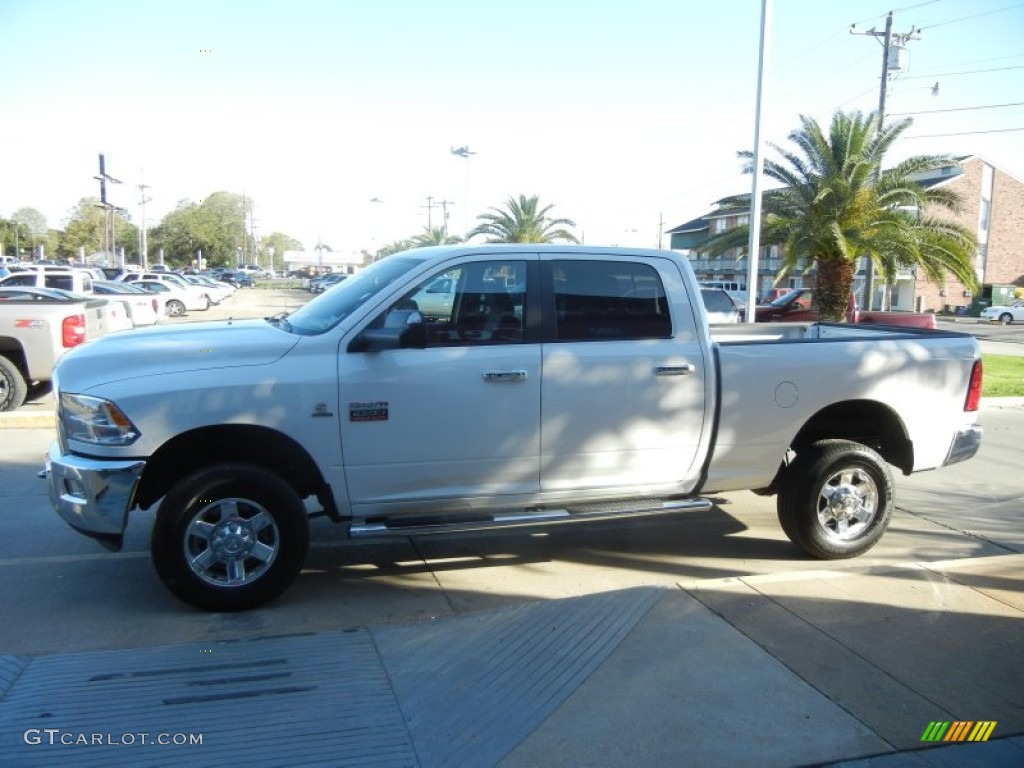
(522, 221)
(216, 225)
(84, 229)
(16, 237)
(434, 236)
(392, 248)
(279, 243)
(837, 206)
(33, 223)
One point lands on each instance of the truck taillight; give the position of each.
(73, 330)
(974, 388)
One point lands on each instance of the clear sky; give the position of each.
(620, 114)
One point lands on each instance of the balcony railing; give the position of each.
(734, 266)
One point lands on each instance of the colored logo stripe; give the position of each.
(982, 731)
(958, 730)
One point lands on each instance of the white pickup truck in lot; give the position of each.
(564, 383)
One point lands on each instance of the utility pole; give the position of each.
(891, 44)
(444, 212)
(661, 228)
(430, 206)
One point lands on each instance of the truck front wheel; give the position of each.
(230, 537)
(835, 500)
(13, 389)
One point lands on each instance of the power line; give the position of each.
(962, 133)
(958, 109)
(974, 16)
(967, 72)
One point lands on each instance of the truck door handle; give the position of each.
(505, 376)
(674, 370)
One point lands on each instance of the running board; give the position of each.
(412, 526)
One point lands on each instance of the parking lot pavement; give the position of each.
(582, 647)
(809, 669)
(691, 641)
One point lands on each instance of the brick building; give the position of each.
(992, 208)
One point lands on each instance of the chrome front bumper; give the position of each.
(93, 495)
(965, 444)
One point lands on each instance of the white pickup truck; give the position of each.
(565, 383)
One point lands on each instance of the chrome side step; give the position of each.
(412, 526)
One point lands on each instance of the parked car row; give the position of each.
(138, 298)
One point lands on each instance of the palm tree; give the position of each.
(522, 221)
(434, 236)
(837, 206)
(392, 248)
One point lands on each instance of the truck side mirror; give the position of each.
(402, 329)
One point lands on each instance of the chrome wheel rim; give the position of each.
(847, 504)
(231, 542)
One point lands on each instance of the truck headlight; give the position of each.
(95, 420)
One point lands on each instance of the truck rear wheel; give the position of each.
(230, 537)
(13, 389)
(835, 500)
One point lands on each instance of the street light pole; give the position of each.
(464, 152)
(143, 254)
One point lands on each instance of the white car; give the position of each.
(177, 301)
(1005, 313)
(219, 290)
(175, 281)
(719, 306)
(144, 308)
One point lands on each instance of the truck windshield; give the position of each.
(332, 306)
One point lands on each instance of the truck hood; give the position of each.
(153, 351)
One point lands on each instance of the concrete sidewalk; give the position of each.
(811, 668)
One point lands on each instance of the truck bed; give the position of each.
(768, 392)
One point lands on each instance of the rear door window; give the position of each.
(608, 300)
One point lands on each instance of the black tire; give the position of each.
(835, 499)
(1006, 318)
(230, 537)
(175, 308)
(13, 388)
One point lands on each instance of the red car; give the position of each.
(799, 306)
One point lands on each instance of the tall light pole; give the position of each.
(108, 208)
(144, 198)
(754, 244)
(465, 152)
